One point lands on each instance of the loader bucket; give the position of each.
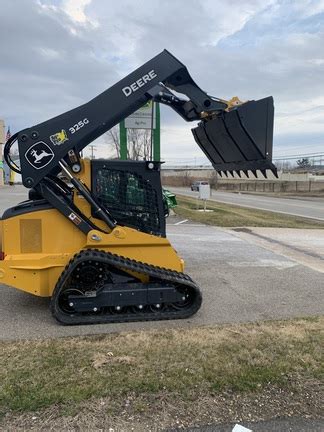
(239, 140)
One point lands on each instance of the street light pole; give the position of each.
(92, 151)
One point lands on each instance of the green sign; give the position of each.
(141, 118)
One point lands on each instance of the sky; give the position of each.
(58, 54)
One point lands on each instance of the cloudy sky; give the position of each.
(57, 54)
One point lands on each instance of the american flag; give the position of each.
(8, 134)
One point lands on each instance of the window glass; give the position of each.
(130, 199)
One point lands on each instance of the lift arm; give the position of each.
(239, 139)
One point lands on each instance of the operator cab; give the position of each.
(131, 191)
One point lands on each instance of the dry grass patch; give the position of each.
(180, 364)
(227, 215)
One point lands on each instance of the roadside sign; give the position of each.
(142, 118)
(204, 191)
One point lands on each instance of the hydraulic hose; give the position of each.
(6, 153)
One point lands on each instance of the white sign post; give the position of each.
(204, 193)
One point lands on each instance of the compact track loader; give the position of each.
(92, 234)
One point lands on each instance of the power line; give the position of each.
(298, 156)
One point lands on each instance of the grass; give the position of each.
(226, 215)
(179, 363)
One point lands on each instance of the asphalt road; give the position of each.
(274, 425)
(11, 195)
(240, 281)
(308, 208)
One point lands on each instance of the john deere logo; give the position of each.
(39, 155)
(59, 137)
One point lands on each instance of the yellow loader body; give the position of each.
(39, 245)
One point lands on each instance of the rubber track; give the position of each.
(123, 263)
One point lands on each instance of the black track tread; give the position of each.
(123, 263)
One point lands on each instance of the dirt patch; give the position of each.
(101, 360)
(160, 412)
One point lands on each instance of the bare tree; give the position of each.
(133, 144)
(186, 178)
(213, 180)
(112, 138)
(147, 139)
(138, 143)
(304, 163)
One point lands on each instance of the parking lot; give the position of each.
(241, 280)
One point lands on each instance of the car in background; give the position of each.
(195, 186)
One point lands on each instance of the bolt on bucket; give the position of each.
(239, 140)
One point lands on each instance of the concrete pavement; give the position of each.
(240, 282)
(304, 246)
(241, 279)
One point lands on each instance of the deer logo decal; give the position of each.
(39, 155)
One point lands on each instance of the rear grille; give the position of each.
(31, 236)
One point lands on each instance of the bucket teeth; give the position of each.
(239, 140)
(239, 172)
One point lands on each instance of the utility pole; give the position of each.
(92, 147)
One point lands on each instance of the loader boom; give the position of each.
(43, 146)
